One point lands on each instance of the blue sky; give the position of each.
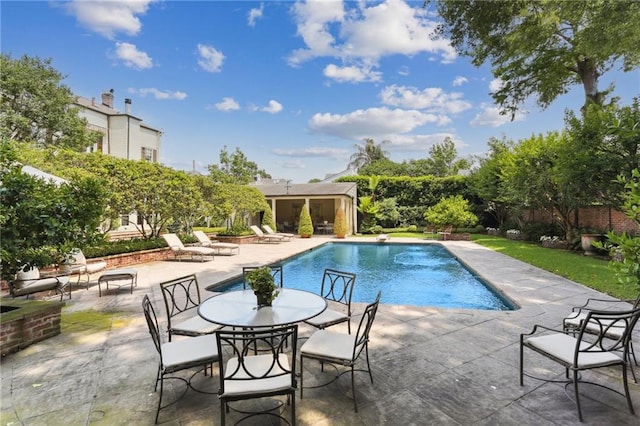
(294, 85)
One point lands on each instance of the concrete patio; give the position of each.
(430, 366)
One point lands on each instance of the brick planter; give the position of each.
(33, 321)
(244, 239)
(127, 259)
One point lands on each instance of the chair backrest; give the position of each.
(636, 303)
(276, 272)
(76, 257)
(588, 341)
(268, 229)
(152, 323)
(337, 286)
(269, 364)
(173, 241)
(257, 230)
(203, 239)
(362, 335)
(180, 295)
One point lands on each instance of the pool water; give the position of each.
(407, 274)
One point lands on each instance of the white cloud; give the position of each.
(372, 122)
(459, 81)
(132, 57)
(364, 34)
(352, 74)
(227, 104)
(211, 59)
(293, 164)
(314, 152)
(109, 18)
(159, 94)
(495, 85)
(415, 143)
(490, 116)
(432, 99)
(255, 14)
(274, 107)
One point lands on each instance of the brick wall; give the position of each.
(596, 217)
(22, 330)
(128, 259)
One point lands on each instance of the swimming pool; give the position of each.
(407, 274)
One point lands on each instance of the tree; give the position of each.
(453, 210)
(235, 168)
(305, 226)
(36, 107)
(367, 153)
(267, 219)
(443, 160)
(387, 212)
(542, 48)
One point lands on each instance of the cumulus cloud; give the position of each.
(459, 81)
(227, 104)
(314, 152)
(255, 14)
(371, 122)
(109, 18)
(357, 32)
(211, 59)
(352, 74)
(132, 57)
(159, 94)
(495, 85)
(274, 107)
(490, 116)
(432, 99)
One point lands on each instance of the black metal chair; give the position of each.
(586, 350)
(245, 375)
(337, 289)
(181, 301)
(276, 271)
(340, 349)
(201, 352)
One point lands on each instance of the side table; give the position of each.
(128, 275)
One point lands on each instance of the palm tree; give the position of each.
(367, 153)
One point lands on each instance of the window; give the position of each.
(149, 154)
(124, 220)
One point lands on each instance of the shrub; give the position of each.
(305, 227)
(267, 218)
(454, 211)
(412, 228)
(340, 224)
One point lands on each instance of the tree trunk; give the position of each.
(589, 76)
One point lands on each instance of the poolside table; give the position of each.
(240, 308)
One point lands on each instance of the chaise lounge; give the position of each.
(262, 237)
(220, 248)
(178, 249)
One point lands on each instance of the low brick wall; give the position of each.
(128, 259)
(246, 239)
(32, 322)
(458, 237)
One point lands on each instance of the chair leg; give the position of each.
(223, 406)
(521, 362)
(159, 399)
(301, 376)
(626, 388)
(353, 389)
(366, 352)
(293, 409)
(575, 388)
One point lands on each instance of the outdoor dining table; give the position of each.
(240, 309)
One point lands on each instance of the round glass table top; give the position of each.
(240, 308)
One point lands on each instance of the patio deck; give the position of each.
(430, 366)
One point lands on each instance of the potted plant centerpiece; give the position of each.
(263, 285)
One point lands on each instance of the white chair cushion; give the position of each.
(189, 350)
(327, 316)
(614, 332)
(96, 266)
(195, 324)
(562, 346)
(330, 344)
(258, 365)
(31, 274)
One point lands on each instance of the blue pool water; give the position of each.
(418, 274)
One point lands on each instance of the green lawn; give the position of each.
(590, 271)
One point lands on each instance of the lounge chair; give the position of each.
(28, 281)
(382, 238)
(285, 235)
(179, 249)
(446, 231)
(262, 237)
(76, 263)
(221, 248)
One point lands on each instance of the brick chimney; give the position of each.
(107, 99)
(127, 106)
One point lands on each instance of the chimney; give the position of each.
(127, 106)
(107, 99)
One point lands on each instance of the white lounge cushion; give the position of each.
(188, 351)
(24, 275)
(257, 365)
(195, 325)
(328, 316)
(614, 332)
(330, 344)
(562, 347)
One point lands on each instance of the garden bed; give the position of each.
(24, 322)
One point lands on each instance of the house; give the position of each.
(286, 200)
(123, 135)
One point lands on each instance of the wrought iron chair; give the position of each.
(244, 375)
(337, 288)
(181, 301)
(185, 354)
(340, 349)
(276, 271)
(585, 351)
(574, 320)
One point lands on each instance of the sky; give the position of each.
(295, 85)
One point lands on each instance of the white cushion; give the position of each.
(31, 274)
(191, 350)
(330, 344)
(258, 365)
(95, 266)
(614, 332)
(327, 316)
(195, 324)
(563, 346)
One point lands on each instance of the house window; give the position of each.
(124, 220)
(149, 154)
